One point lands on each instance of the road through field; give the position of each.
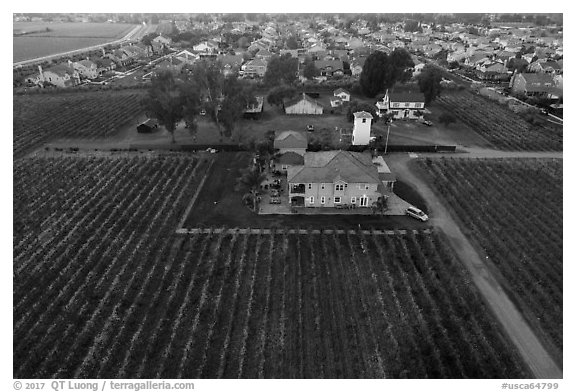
(135, 32)
(528, 345)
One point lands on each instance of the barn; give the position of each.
(303, 105)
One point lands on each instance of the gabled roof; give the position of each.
(256, 63)
(290, 139)
(87, 63)
(340, 91)
(331, 166)
(290, 158)
(406, 97)
(335, 64)
(60, 69)
(302, 97)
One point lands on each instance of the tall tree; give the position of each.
(238, 95)
(277, 94)
(356, 106)
(310, 71)
(381, 71)
(164, 101)
(281, 69)
(429, 82)
(249, 182)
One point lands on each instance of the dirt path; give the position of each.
(528, 345)
(473, 152)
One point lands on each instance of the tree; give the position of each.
(380, 206)
(238, 95)
(249, 183)
(381, 71)
(292, 42)
(164, 101)
(277, 94)
(310, 71)
(356, 106)
(281, 70)
(429, 82)
(192, 104)
(446, 119)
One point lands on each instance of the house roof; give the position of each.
(406, 96)
(340, 91)
(291, 139)
(60, 69)
(335, 64)
(290, 158)
(256, 63)
(384, 172)
(294, 101)
(363, 115)
(231, 60)
(332, 166)
(87, 63)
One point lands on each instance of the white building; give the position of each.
(361, 130)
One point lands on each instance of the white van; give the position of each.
(416, 213)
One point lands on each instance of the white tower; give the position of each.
(361, 131)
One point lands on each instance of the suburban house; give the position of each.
(361, 130)
(384, 174)
(303, 105)
(291, 141)
(86, 69)
(255, 68)
(331, 178)
(342, 94)
(535, 85)
(545, 66)
(171, 64)
(60, 75)
(230, 63)
(402, 105)
(330, 67)
(264, 54)
(492, 71)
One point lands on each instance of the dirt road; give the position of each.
(528, 345)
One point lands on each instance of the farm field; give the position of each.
(62, 37)
(40, 118)
(512, 208)
(103, 288)
(505, 129)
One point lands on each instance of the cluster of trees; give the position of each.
(381, 71)
(281, 70)
(171, 99)
(429, 82)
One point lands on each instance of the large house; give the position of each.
(332, 178)
(303, 105)
(59, 75)
(402, 105)
(86, 69)
(535, 85)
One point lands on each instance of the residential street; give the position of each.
(529, 346)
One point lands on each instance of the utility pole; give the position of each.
(387, 134)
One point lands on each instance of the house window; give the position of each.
(337, 199)
(363, 120)
(339, 187)
(367, 186)
(284, 167)
(418, 105)
(322, 199)
(395, 105)
(353, 200)
(407, 104)
(322, 186)
(309, 186)
(311, 199)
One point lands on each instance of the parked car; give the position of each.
(427, 123)
(211, 150)
(310, 128)
(416, 213)
(274, 200)
(274, 192)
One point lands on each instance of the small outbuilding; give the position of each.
(148, 126)
(291, 141)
